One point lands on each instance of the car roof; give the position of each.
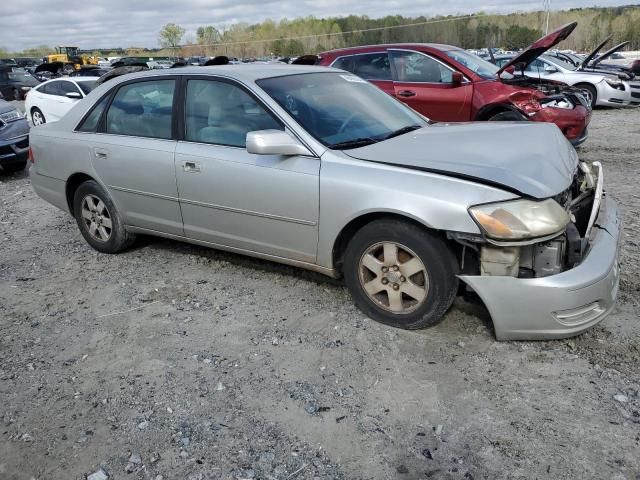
(242, 72)
(435, 46)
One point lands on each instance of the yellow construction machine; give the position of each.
(70, 58)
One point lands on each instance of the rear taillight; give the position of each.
(32, 159)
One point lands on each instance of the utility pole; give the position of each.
(546, 6)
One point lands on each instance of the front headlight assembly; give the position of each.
(617, 84)
(518, 220)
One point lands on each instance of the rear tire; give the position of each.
(400, 274)
(98, 219)
(37, 117)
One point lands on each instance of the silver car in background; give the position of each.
(316, 168)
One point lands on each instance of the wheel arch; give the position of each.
(489, 111)
(348, 231)
(73, 182)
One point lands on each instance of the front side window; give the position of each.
(86, 87)
(222, 113)
(51, 88)
(341, 110)
(417, 67)
(67, 87)
(142, 109)
(370, 66)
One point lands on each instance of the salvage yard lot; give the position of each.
(190, 363)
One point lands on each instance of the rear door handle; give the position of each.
(191, 167)
(100, 153)
(406, 93)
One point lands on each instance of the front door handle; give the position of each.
(406, 93)
(100, 153)
(191, 167)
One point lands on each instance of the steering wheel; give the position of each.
(348, 120)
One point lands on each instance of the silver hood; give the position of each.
(531, 159)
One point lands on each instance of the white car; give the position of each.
(49, 101)
(605, 90)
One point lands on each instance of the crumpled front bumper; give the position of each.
(562, 305)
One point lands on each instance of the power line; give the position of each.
(304, 37)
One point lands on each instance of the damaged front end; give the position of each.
(552, 286)
(554, 102)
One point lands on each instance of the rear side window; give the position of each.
(142, 109)
(222, 113)
(370, 66)
(90, 123)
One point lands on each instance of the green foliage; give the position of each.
(171, 35)
(207, 35)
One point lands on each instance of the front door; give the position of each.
(426, 85)
(133, 154)
(261, 203)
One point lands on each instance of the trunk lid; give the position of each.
(538, 47)
(530, 159)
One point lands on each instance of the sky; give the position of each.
(125, 23)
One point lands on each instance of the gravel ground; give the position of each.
(179, 362)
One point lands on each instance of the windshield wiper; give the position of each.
(355, 143)
(402, 131)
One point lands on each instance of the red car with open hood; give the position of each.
(449, 84)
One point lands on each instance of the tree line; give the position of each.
(292, 37)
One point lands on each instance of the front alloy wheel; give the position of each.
(400, 273)
(393, 277)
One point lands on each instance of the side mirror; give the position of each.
(550, 69)
(73, 95)
(510, 69)
(274, 142)
(456, 78)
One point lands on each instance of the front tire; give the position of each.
(591, 91)
(506, 116)
(98, 219)
(400, 274)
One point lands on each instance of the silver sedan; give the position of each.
(316, 168)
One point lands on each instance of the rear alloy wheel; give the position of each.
(400, 274)
(98, 219)
(37, 117)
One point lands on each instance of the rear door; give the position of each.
(372, 66)
(261, 203)
(426, 85)
(133, 153)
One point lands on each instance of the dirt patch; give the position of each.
(190, 363)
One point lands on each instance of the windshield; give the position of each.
(559, 62)
(87, 86)
(476, 64)
(21, 77)
(341, 110)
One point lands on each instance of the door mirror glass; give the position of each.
(274, 142)
(73, 95)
